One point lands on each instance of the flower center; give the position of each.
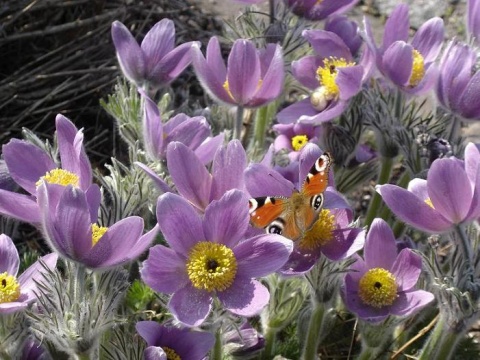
(171, 354)
(9, 288)
(378, 288)
(97, 233)
(327, 74)
(418, 69)
(211, 266)
(320, 233)
(299, 141)
(60, 177)
(226, 86)
(429, 203)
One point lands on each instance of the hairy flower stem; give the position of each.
(262, 120)
(441, 343)
(270, 337)
(237, 131)
(468, 281)
(314, 335)
(217, 353)
(383, 177)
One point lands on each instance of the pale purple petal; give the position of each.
(191, 132)
(9, 260)
(190, 176)
(444, 179)
(397, 26)
(410, 302)
(129, 54)
(154, 353)
(245, 297)
(355, 273)
(418, 187)
(164, 270)
(397, 63)
(334, 109)
(300, 109)
(380, 247)
(344, 243)
(243, 71)
(299, 262)
(469, 98)
(152, 129)
(262, 255)
(282, 142)
(34, 163)
(157, 182)
(11, 307)
(35, 273)
(190, 306)
(427, 82)
(206, 151)
(228, 166)
(349, 81)
(158, 42)
(150, 331)
(304, 71)
(226, 220)
(263, 181)
(407, 269)
(335, 200)
(363, 311)
(215, 60)
(472, 162)
(327, 44)
(412, 210)
(94, 198)
(428, 39)
(179, 222)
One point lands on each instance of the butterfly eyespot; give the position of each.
(274, 229)
(317, 202)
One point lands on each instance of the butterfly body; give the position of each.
(293, 216)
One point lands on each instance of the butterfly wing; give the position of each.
(265, 210)
(317, 178)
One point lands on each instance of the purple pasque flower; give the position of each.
(473, 19)
(449, 196)
(210, 256)
(194, 182)
(383, 283)
(191, 131)
(332, 76)
(409, 66)
(156, 62)
(243, 342)
(175, 342)
(294, 137)
(29, 165)
(347, 30)
(330, 235)
(457, 88)
(17, 292)
(252, 77)
(69, 223)
(319, 10)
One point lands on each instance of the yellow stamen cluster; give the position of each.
(299, 141)
(97, 233)
(428, 201)
(211, 266)
(418, 69)
(60, 177)
(320, 233)
(327, 74)
(171, 354)
(226, 86)
(9, 288)
(378, 288)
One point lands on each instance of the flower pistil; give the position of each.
(327, 74)
(211, 266)
(299, 141)
(9, 288)
(378, 288)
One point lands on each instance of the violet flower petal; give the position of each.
(397, 63)
(349, 81)
(11, 307)
(206, 151)
(327, 44)
(19, 206)
(245, 297)
(152, 128)
(190, 306)
(304, 70)
(380, 247)
(263, 181)
(299, 262)
(164, 270)
(154, 353)
(407, 269)
(158, 42)
(301, 109)
(157, 182)
(9, 260)
(410, 302)
(397, 26)
(345, 242)
(34, 273)
(428, 39)
(334, 109)
(179, 222)
(251, 255)
(172, 64)
(191, 132)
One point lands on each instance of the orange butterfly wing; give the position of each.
(317, 179)
(264, 210)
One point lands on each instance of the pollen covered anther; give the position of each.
(9, 288)
(60, 177)
(320, 233)
(211, 266)
(418, 69)
(299, 141)
(378, 288)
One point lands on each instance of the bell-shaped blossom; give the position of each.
(69, 223)
(458, 86)
(174, 342)
(30, 165)
(473, 19)
(331, 234)
(347, 30)
(319, 10)
(252, 77)
(449, 196)
(192, 179)
(16, 293)
(383, 283)
(331, 75)
(193, 132)
(409, 66)
(156, 62)
(294, 137)
(243, 342)
(211, 257)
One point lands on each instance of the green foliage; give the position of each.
(139, 295)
